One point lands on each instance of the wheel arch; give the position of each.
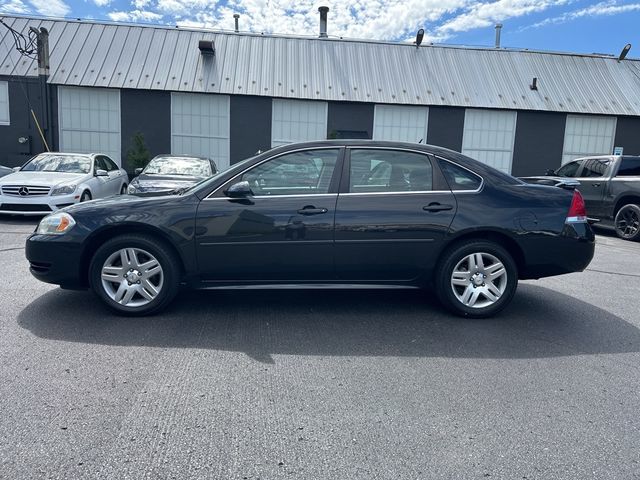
(626, 199)
(106, 233)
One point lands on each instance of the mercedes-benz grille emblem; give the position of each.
(23, 191)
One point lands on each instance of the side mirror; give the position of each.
(16, 169)
(239, 190)
(101, 173)
(137, 171)
(550, 172)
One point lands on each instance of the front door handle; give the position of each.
(595, 184)
(437, 207)
(311, 210)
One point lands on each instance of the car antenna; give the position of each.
(420, 141)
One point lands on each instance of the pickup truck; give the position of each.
(610, 186)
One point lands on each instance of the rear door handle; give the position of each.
(310, 210)
(595, 184)
(437, 207)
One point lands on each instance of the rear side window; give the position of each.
(459, 178)
(596, 167)
(382, 170)
(629, 167)
(570, 169)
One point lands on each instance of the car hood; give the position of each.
(41, 178)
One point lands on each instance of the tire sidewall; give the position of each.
(630, 206)
(155, 248)
(86, 196)
(449, 261)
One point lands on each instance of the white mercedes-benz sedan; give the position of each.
(53, 180)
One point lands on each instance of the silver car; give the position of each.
(53, 180)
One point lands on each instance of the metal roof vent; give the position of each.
(206, 47)
(498, 30)
(236, 17)
(323, 21)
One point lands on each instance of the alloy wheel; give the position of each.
(479, 280)
(132, 277)
(627, 222)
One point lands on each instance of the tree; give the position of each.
(138, 155)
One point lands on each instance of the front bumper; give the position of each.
(37, 204)
(56, 259)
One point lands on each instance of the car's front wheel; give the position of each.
(476, 279)
(627, 222)
(134, 274)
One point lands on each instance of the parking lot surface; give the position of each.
(319, 384)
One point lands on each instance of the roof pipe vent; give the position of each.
(323, 21)
(236, 17)
(498, 30)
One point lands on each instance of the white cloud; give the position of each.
(14, 6)
(102, 3)
(51, 8)
(135, 16)
(599, 9)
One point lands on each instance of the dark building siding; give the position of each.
(23, 93)
(147, 112)
(628, 135)
(445, 127)
(539, 142)
(250, 126)
(350, 120)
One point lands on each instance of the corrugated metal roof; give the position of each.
(162, 58)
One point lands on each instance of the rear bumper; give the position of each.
(569, 252)
(55, 259)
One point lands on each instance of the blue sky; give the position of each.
(565, 25)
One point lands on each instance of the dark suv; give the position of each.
(610, 186)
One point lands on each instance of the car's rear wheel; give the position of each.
(627, 222)
(86, 196)
(134, 274)
(476, 279)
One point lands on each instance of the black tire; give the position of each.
(170, 270)
(627, 222)
(455, 257)
(123, 189)
(86, 196)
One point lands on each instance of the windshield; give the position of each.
(193, 167)
(58, 163)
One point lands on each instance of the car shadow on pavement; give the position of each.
(539, 323)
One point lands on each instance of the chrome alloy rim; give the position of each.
(132, 277)
(479, 280)
(628, 223)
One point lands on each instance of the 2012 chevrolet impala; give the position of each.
(344, 214)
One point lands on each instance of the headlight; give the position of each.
(64, 190)
(131, 189)
(56, 224)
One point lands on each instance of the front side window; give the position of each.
(58, 163)
(111, 165)
(570, 169)
(379, 170)
(595, 167)
(630, 167)
(299, 173)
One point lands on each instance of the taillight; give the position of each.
(577, 210)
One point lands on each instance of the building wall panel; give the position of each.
(350, 120)
(488, 136)
(298, 121)
(400, 123)
(588, 135)
(538, 143)
(250, 126)
(445, 127)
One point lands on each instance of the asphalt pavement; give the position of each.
(317, 384)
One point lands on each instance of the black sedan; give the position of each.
(165, 174)
(366, 214)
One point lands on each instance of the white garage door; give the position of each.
(298, 121)
(89, 120)
(588, 135)
(400, 123)
(488, 136)
(200, 126)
